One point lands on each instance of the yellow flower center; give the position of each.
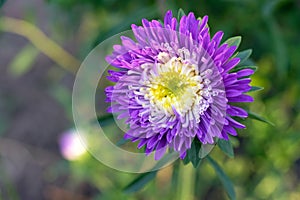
(177, 85)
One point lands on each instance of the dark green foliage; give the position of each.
(193, 154)
(223, 177)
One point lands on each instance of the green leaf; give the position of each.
(138, 183)
(226, 147)
(180, 14)
(238, 68)
(23, 61)
(244, 55)
(223, 177)
(256, 116)
(255, 88)
(105, 119)
(193, 153)
(234, 41)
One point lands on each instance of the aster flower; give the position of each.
(174, 85)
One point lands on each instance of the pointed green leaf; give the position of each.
(238, 68)
(223, 177)
(193, 153)
(138, 183)
(255, 88)
(180, 14)
(244, 55)
(256, 116)
(234, 41)
(226, 147)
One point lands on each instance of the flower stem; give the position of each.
(41, 42)
(186, 182)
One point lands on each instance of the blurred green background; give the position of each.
(42, 45)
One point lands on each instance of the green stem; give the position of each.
(186, 182)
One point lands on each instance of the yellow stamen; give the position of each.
(175, 86)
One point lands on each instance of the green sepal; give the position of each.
(234, 41)
(180, 14)
(244, 55)
(238, 68)
(226, 147)
(193, 153)
(255, 88)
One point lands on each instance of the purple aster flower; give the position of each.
(174, 85)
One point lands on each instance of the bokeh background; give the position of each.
(42, 44)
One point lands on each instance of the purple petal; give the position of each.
(234, 123)
(228, 53)
(142, 142)
(230, 130)
(182, 155)
(153, 141)
(139, 34)
(241, 98)
(203, 22)
(160, 149)
(218, 37)
(168, 19)
(245, 72)
(233, 93)
(182, 25)
(236, 111)
(231, 64)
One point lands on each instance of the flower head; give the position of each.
(174, 85)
